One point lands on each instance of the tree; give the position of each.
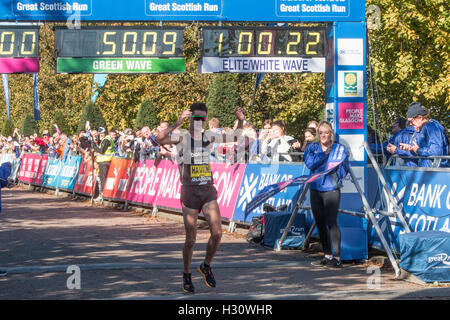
(61, 121)
(28, 125)
(8, 128)
(147, 115)
(92, 114)
(223, 99)
(410, 56)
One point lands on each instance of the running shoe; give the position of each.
(3, 273)
(188, 287)
(207, 274)
(334, 264)
(99, 200)
(321, 263)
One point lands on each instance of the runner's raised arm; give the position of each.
(164, 136)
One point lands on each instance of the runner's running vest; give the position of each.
(195, 167)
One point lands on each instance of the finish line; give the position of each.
(155, 266)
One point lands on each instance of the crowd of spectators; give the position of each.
(415, 141)
(269, 143)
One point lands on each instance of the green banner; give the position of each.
(120, 65)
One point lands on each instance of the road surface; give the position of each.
(130, 255)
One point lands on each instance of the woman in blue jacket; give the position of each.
(322, 156)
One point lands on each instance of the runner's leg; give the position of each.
(212, 215)
(190, 224)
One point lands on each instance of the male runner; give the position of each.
(198, 192)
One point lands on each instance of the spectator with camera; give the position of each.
(278, 145)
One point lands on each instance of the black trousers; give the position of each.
(103, 168)
(325, 206)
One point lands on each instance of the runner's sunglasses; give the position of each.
(198, 118)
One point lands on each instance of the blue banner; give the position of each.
(274, 225)
(67, 177)
(426, 255)
(259, 176)
(99, 82)
(36, 109)
(6, 91)
(62, 175)
(183, 10)
(51, 173)
(337, 156)
(424, 197)
(259, 77)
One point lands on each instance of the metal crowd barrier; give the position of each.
(369, 213)
(435, 164)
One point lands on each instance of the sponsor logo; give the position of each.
(440, 257)
(350, 51)
(294, 231)
(350, 83)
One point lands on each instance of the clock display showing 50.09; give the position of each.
(101, 42)
(263, 42)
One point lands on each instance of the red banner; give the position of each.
(85, 180)
(32, 168)
(117, 180)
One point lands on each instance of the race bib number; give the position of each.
(198, 171)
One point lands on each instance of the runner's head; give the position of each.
(198, 116)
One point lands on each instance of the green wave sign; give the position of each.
(120, 65)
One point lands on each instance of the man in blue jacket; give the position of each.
(430, 139)
(5, 171)
(404, 136)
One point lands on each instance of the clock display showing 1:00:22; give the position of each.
(264, 42)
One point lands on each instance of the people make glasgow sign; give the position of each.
(183, 10)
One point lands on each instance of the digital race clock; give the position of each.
(263, 42)
(19, 42)
(19, 49)
(119, 49)
(262, 49)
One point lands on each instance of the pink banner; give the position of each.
(144, 185)
(161, 185)
(227, 179)
(351, 115)
(169, 187)
(19, 65)
(32, 168)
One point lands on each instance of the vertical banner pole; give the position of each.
(6, 91)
